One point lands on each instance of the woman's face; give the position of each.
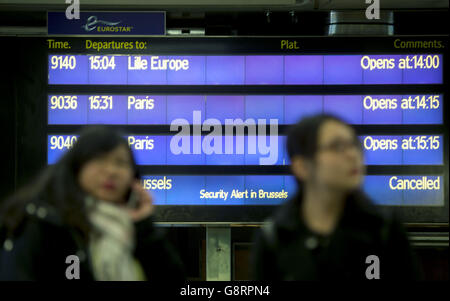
(339, 160)
(109, 176)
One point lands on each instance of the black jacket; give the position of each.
(40, 249)
(287, 250)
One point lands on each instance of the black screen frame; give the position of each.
(31, 90)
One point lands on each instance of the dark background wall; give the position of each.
(23, 79)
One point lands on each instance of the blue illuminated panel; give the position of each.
(191, 150)
(218, 190)
(419, 69)
(221, 190)
(67, 109)
(186, 190)
(225, 107)
(183, 111)
(183, 107)
(223, 150)
(422, 109)
(107, 109)
(382, 109)
(158, 185)
(185, 150)
(403, 150)
(303, 70)
(264, 107)
(234, 74)
(264, 70)
(148, 150)
(422, 150)
(288, 109)
(384, 150)
(68, 69)
(298, 106)
(342, 70)
(245, 70)
(137, 75)
(109, 70)
(57, 145)
(274, 190)
(182, 74)
(146, 109)
(347, 107)
(425, 191)
(405, 190)
(385, 73)
(264, 189)
(260, 150)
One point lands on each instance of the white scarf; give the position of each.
(112, 251)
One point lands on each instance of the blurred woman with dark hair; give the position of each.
(90, 204)
(329, 229)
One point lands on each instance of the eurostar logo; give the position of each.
(92, 22)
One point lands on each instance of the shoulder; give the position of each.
(44, 212)
(287, 214)
(41, 232)
(40, 220)
(364, 211)
(383, 222)
(281, 226)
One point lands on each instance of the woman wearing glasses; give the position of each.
(329, 229)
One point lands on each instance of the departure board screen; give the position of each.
(206, 118)
(245, 70)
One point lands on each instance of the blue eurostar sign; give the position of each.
(107, 23)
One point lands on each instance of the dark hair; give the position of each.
(303, 139)
(58, 184)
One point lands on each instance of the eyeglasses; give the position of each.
(340, 146)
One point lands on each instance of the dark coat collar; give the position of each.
(44, 212)
(360, 218)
